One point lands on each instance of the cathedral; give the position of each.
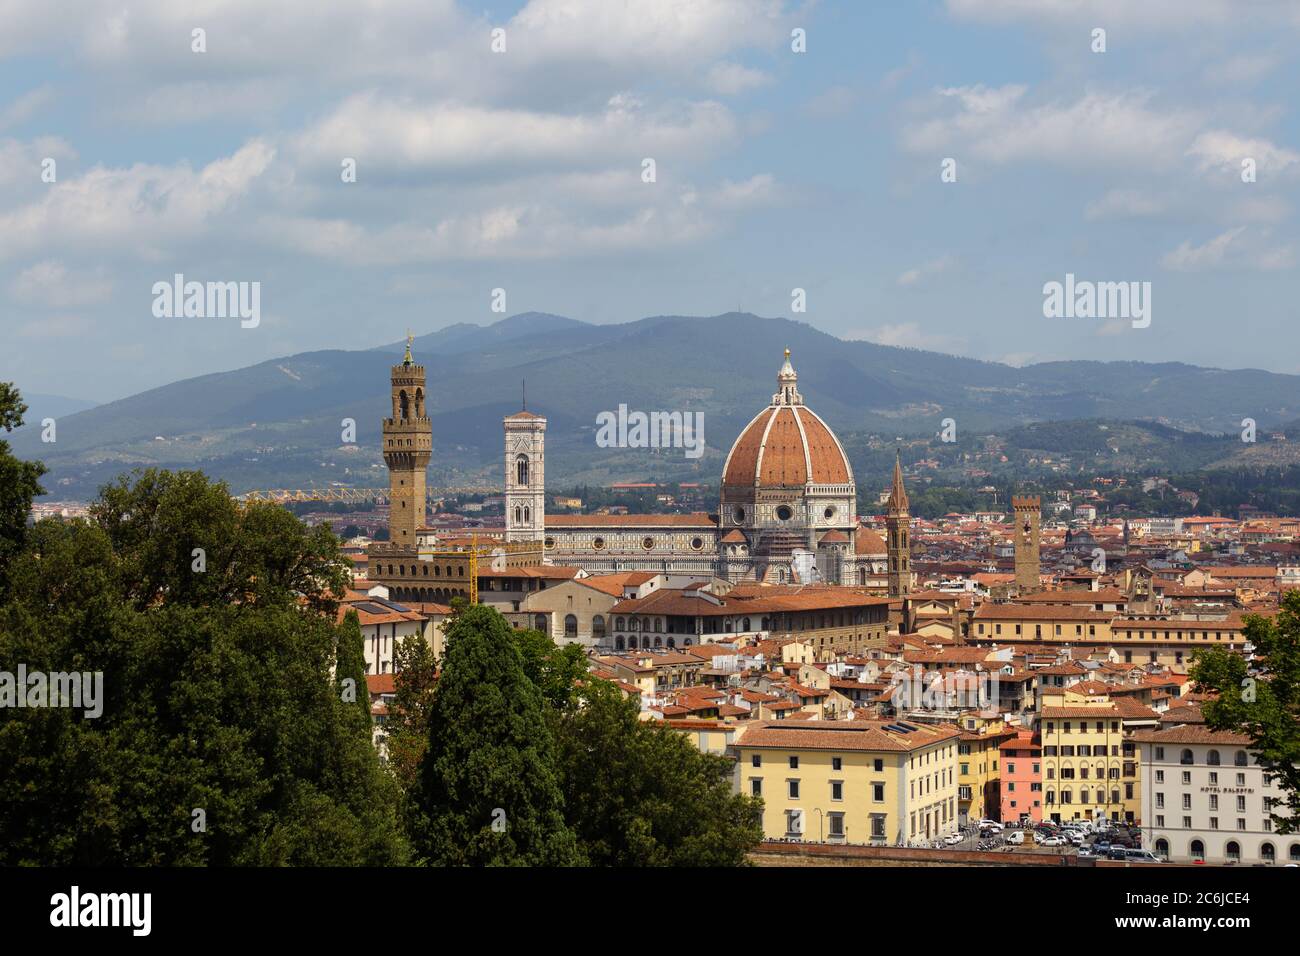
(787, 510)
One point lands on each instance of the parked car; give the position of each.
(1051, 841)
(1142, 856)
(990, 825)
(953, 839)
(1118, 853)
(1016, 838)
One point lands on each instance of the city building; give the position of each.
(858, 781)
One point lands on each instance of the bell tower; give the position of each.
(408, 445)
(898, 530)
(1027, 510)
(525, 435)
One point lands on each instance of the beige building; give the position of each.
(856, 781)
(1204, 798)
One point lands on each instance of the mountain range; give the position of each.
(279, 423)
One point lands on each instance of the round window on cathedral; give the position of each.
(739, 515)
(550, 543)
(697, 544)
(647, 542)
(829, 512)
(783, 513)
(598, 544)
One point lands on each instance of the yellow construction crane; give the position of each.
(459, 553)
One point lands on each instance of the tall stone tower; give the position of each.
(408, 445)
(525, 476)
(1027, 510)
(898, 531)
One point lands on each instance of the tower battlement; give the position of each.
(1026, 502)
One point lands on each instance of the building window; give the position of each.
(756, 760)
(794, 763)
(837, 763)
(878, 792)
(521, 470)
(835, 826)
(794, 789)
(837, 789)
(756, 787)
(570, 626)
(598, 627)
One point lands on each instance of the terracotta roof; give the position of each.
(734, 536)
(524, 414)
(780, 446)
(866, 541)
(869, 735)
(1191, 734)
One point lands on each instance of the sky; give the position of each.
(523, 168)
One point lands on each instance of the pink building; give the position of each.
(1022, 779)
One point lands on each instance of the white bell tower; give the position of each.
(525, 476)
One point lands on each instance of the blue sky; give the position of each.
(522, 170)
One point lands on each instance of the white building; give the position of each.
(1204, 798)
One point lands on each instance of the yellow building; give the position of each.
(857, 781)
(1089, 766)
(979, 787)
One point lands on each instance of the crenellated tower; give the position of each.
(1028, 509)
(408, 446)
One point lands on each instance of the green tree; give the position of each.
(556, 671)
(350, 671)
(415, 675)
(488, 791)
(217, 694)
(640, 794)
(1263, 705)
(19, 482)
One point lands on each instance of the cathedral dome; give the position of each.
(786, 446)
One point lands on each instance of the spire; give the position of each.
(786, 380)
(409, 338)
(897, 493)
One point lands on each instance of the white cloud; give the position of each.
(994, 125)
(50, 284)
(1237, 248)
(25, 106)
(144, 205)
(1221, 150)
(1171, 15)
(386, 134)
(729, 79)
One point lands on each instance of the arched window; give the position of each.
(528, 514)
(403, 404)
(419, 403)
(570, 626)
(1186, 758)
(521, 470)
(1232, 851)
(1294, 853)
(539, 622)
(618, 643)
(746, 623)
(618, 624)
(1162, 848)
(1239, 758)
(1267, 853)
(598, 627)
(518, 515)
(1212, 758)
(1198, 850)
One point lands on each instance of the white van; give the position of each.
(1016, 837)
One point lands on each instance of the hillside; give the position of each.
(277, 423)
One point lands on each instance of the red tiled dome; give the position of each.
(786, 446)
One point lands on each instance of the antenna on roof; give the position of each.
(523, 388)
